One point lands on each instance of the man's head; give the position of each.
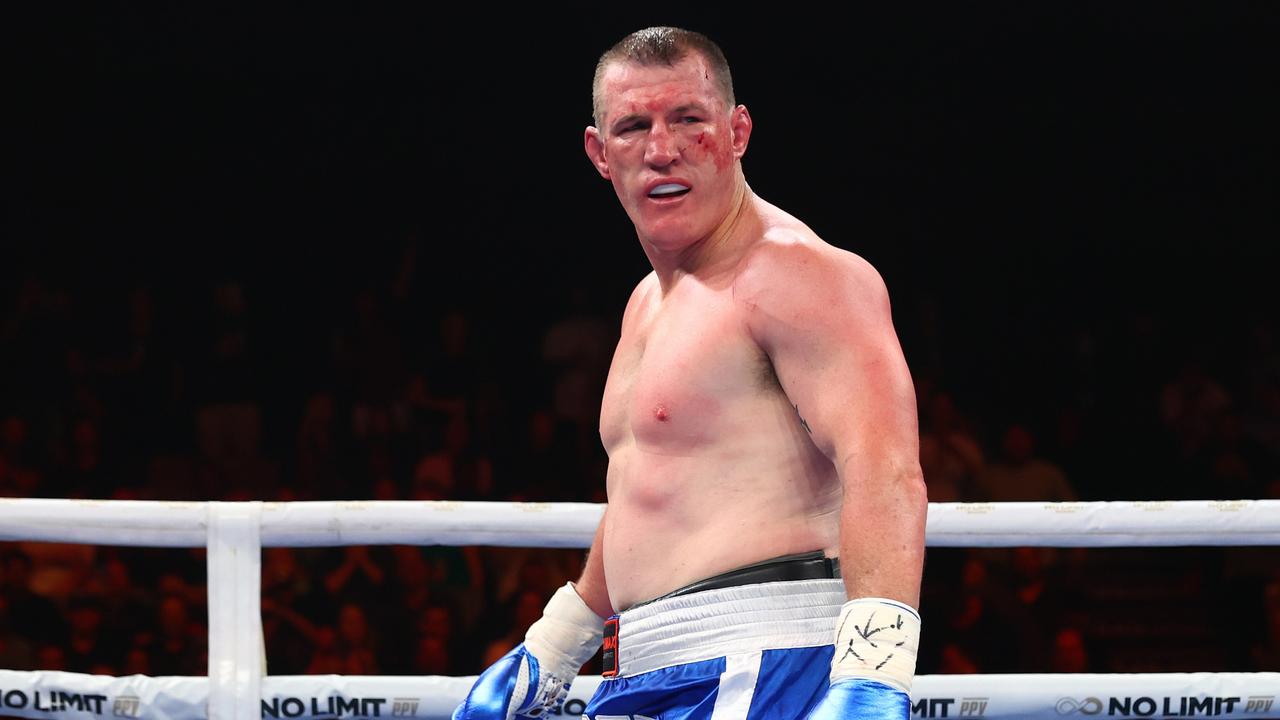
(656, 46)
(668, 135)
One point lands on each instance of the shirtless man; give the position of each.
(759, 419)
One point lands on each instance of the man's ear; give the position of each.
(594, 145)
(740, 123)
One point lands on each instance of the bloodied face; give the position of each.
(670, 144)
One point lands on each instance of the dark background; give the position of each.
(1017, 166)
(1073, 205)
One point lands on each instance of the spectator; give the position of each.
(326, 657)
(579, 348)
(1039, 604)
(1266, 652)
(1070, 654)
(123, 600)
(1230, 461)
(950, 450)
(319, 463)
(431, 657)
(355, 642)
(945, 475)
(34, 614)
(1020, 476)
(83, 474)
(438, 633)
(457, 471)
(137, 662)
(546, 467)
(18, 474)
(58, 570)
(52, 657)
(977, 624)
(526, 610)
(179, 644)
(88, 646)
(1191, 404)
(15, 650)
(373, 364)
(286, 590)
(360, 577)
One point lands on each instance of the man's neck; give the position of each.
(719, 250)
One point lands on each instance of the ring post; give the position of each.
(236, 653)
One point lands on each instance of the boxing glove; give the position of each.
(533, 679)
(874, 662)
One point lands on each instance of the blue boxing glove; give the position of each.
(874, 662)
(533, 679)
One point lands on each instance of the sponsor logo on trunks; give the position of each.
(1173, 706)
(610, 647)
(974, 707)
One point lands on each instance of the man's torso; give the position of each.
(710, 466)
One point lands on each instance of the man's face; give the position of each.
(670, 146)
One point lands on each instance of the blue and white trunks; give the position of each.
(753, 652)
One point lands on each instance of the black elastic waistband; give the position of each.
(805, 566)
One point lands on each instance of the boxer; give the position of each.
(760, 422)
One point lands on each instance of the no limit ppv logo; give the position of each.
(60, 701)
(1184, 706)
(973, 707)
(337, 706)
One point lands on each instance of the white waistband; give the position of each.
(715, 623)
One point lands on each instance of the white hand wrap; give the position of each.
(565, 637)
(877, 639)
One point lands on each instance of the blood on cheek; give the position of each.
(705, 146)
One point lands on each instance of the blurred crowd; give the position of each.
(135, 393)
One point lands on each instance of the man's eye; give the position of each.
(690, 119)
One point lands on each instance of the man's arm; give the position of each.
(533, 679)
(823, 318)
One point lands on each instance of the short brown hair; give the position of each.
(663, 46)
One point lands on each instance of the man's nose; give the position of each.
(663, 148)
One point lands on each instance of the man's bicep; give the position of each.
(843, 369)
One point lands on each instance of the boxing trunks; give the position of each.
(752, 644)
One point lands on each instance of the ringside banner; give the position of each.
(70, 696)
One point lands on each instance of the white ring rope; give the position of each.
(325, 697)
(571, 525)
(234, 533)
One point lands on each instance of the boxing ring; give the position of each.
(238, 688)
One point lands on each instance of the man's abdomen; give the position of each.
(674, 521)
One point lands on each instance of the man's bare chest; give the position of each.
(682, 374)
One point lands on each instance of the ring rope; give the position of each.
(572, 525)
(234, 534)
(71, 696)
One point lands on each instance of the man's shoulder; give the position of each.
(639, 295)
(647, 284)
(791, 265)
